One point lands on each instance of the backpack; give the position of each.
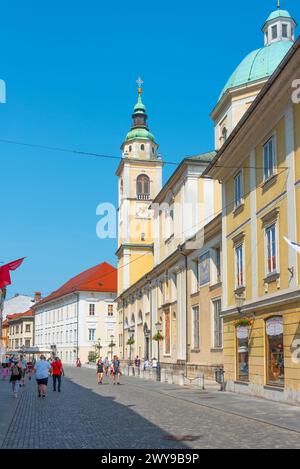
(15, 370)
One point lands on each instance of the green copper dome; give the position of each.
(143, 134)
(278, 14)
(258, 65)
(139, 128)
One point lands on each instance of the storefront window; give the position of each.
(275, 351)
(242, 353)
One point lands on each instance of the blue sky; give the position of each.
(70, 69)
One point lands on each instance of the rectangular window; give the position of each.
(239, 262)
(110, 310)
(196, 327)
(218, 324)
(274, 32)
(204, 269)
(238, 189)
(27, 328)
(92, 334)
(275, 351)
(271, 251)
(269, 158)
(17, 329)
(284, 30)
(27, 343)
(92, 309)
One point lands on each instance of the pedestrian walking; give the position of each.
(116, 370)
(78, 362)
(57, 373)
(154, 363)
(5, 370)
(106, 365)
(100, 370)
(137, 364)
(30, 370)
(15, 377)
(23, 365)
(42, 369)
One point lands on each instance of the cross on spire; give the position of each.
(278, 4)
(140, 82)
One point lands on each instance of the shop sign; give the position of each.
(274, 326)
(242, 332)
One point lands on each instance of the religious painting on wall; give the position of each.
(204, 268)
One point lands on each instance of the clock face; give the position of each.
(142, 211)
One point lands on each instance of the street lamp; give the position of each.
(158, 337)
(130, 342)
(98, 347)
(111, 345)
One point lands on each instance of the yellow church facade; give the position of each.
(208, 257)
(259, 166)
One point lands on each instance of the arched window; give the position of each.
(142, 147)
(140, 317)
(132, 319)
(143, 187)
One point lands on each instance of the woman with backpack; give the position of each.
(15, 377)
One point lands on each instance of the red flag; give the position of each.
(5, 269)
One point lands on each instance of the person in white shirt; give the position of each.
(42, 369)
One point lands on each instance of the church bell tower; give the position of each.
(140, 180)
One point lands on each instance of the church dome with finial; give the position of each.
(139, 128)
(279, 36)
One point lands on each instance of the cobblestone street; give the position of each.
(141, 414)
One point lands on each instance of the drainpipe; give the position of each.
(151, 315)
(123, 329)
(77, 339)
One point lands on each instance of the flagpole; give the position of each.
(2, 299)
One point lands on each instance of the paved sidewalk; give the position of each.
(142, 414)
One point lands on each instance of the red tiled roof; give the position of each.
(11, 317)
(101, 278)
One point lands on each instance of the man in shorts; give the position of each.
(42, 369)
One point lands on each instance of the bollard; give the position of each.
(131, 372)
(200, 380)
(151, 374)
(170, 376)
(163, 375)
(142, 372)
(147, 373)
(181, 378)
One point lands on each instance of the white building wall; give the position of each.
(65, 323)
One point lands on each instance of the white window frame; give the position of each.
(213, 329)
(240, 175)
(267, 228)
(242, 247)
(92, 309)
(274, 168)
(193, 327)
(89, 335)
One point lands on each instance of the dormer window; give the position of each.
(285, 30)
(274, 32)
